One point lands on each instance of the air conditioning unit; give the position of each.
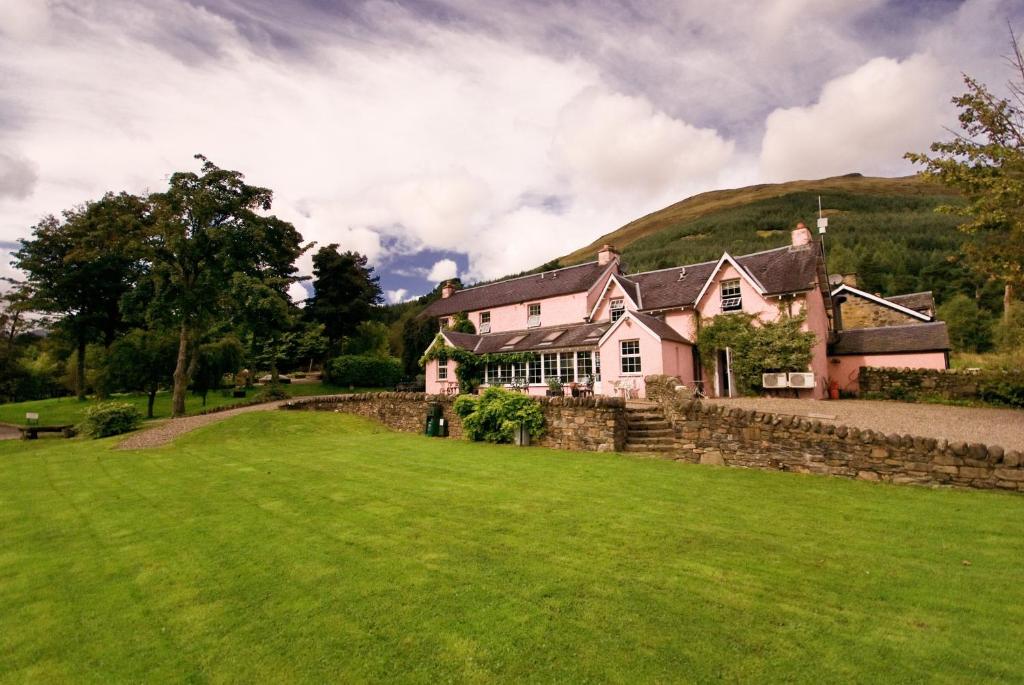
(533, 322)
(775, 380)
(485, 328)
(801, 380)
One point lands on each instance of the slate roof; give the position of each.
(575, 335)
(782, 270)
(917, 337)
(919, 302)
(543, 339)
(572, 279)
(660, 328)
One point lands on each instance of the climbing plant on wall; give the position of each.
(470, 369)
(757, 347)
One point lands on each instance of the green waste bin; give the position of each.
(433, 420)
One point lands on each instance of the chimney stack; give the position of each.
(606, 254)
(448, 289)
(801, 235)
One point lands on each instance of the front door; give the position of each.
(723, 373)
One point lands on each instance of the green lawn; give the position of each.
(63, 410)
(318, 547)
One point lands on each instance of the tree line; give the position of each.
(176, 288)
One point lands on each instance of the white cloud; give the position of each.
(443, 270)
(864, 121)
(18, 177)
(616, 143)
(396, 296)
(297, 292)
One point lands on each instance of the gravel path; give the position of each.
(9, 432)
(1004, 427)
(166, 431)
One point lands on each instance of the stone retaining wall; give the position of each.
(950, 384)
(595, 424)
(716, 434)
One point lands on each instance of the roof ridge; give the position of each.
(713, 261)
(902, 325)
(516, 278)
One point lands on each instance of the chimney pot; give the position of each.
(800, 235)
(447, 290)
(606, 254)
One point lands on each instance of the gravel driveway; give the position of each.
(166, 431)
(1004, 427)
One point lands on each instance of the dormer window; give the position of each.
(617, 308)
(732, 297)
(533, 315)
(485, 322)
(445, 323)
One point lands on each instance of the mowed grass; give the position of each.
(64, 410)
(313, 547)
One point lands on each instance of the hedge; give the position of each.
(111, 418)
(364, 371)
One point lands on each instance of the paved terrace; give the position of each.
(1004, 427)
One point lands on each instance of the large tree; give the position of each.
(345, 291)
(985, 161)
(79, 267)
(210, 226)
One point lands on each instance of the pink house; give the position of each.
(596, 326)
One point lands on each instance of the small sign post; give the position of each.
(32, 418)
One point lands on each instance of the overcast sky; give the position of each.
(471, 138)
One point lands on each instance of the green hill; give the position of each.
(886, 230)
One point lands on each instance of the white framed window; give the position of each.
(504, 373)
(732, 296)
(617, 308)
(533, 372)
(485, 322)
(442, 369)
(550, 366)
(533, 315)
(597, 366)
(584, 366)
(629, 356)
(566, 367)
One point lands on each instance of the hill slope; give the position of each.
(884, 229)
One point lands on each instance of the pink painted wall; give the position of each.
(817, 323)
(684, 322)
(651, 361)
(554, 311)
(604, 310)
(677, 360)
(753, 303)
(595, 290)
(434, 386)
(845, 369)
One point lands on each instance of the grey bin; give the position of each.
(442, 428)
(522, 436)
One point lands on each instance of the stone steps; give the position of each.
(647, 430)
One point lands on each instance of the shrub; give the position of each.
(1007, 390)
(111, 418)
(271, 392)
(497, 414)
(465, 405)
(363, 371)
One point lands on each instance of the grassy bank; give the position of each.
(312, 547)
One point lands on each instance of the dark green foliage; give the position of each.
(270, 393)
(417, 334)
(1006, 390)
(79, 267)
(216, 359)
(142, 360)
(111, 418)
(778, 346)
(363, 371)
(462, 324)
(369, 339)
(345, 292)
(970, 327)
(1009, 330)
(891, 242)
(496, 415)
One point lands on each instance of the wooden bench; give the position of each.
(32, 432)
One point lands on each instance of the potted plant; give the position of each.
(555, 388)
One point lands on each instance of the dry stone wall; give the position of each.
(587, 423)
(949, 384)
(716, 434)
